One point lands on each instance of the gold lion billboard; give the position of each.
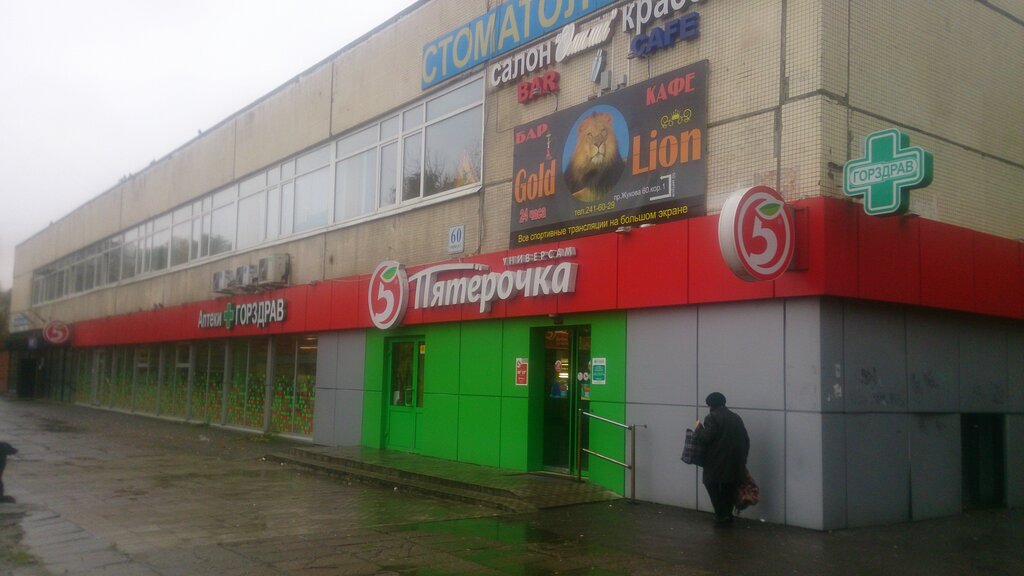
(636, 156)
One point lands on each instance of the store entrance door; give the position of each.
(404, 392)
(566, 365)
(27, 370)
(984, 460)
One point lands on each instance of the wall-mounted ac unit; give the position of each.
(245, 277)
(273, 270)
(223, 281)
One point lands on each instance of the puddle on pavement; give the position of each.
(13, 555)
(58, 426)
(496, 529)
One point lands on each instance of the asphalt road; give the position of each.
(115, 494)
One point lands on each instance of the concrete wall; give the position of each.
(338, 412)
(794, 86)
(941, 84)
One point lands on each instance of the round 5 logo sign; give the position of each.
(56, 332)
(388, 295)
(756, 234)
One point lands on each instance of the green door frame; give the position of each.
(577, 394)
(403, 391)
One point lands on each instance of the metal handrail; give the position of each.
(632, 453)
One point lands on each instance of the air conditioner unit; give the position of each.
(245, 277)
(273, 269)
(223, 280)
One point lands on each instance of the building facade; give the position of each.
(459, 231)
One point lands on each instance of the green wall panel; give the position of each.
(610, 441)
(479, 429)
(442, 362)
(481, 358)
(516, 344)
(514, 436)
(372, 409)
(437, 432)
(607, 340)
(472, 409)
(373, 365)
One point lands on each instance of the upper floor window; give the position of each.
(431, 147)
(428, 148)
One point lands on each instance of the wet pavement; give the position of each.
(108, 493)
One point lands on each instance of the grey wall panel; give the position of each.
(804, 481)
(935, 465)
(875, 353)
(933, 362)
(877, 469)
(351, 359)
(803, 354)
(1015, 370)
(661, 476)
(327, 360)
(662, 356)
(741, 353)
(1015, 460)
(833, 470)
(833, 377)
(983, 367)
(323, 416)
(348, 418)
(767, 462)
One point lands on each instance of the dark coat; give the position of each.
(726, 446)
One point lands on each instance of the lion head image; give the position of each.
(595, 165)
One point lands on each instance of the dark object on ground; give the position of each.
(5, 451)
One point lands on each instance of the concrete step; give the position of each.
(391, 477)
(356, 463)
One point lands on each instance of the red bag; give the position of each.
(747, 493)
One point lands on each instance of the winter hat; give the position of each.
(715, 400)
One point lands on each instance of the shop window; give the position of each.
(146, 380)
(237, 384)
(121, 369)
(282, 401)
(256, 383)
(408, 360)
(174, 389)
(207, 382)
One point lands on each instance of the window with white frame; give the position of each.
(429, 148)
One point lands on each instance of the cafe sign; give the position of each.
(635, 156)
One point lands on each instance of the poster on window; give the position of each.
(635, 156)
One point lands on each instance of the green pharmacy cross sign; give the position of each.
(890, 169)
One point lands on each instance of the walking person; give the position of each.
(726, 445)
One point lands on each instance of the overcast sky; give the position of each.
(92, 90)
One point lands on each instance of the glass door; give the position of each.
(406, 360)
(566, 391)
